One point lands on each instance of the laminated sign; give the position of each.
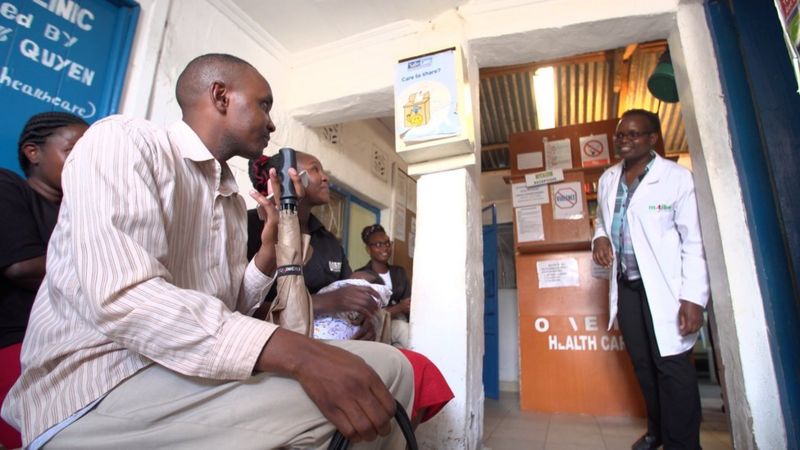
(567, 201)
(426, 100)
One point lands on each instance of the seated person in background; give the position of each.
(141, 338)
(29, 213)
(328, 262)
(346, 325)
(431, 391)
(379, 248)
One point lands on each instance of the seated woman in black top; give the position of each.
(29, 213)
(379, 248)
(328, 262)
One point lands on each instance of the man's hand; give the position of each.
(268, 212)
(360, 299)
(690, 317)
(602, 253)
(345, 389)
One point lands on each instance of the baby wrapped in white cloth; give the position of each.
(343, 326)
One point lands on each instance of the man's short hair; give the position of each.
(204, 70)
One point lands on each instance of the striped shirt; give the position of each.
(146, 265)
(620, 231)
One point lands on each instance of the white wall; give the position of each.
(197, 27)
(738, 306)
(447, 312)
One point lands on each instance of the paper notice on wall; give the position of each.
(567, 201)
(411, 194)
(523, 195)
(399, 222)
(558, 154)
(400, 187)
(530, 226)
(594, 150)
(556, 273)
(530, 160)
(412, 237)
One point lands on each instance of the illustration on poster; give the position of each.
(56, 62)
(42, 95)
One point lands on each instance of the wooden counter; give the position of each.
(569, 363)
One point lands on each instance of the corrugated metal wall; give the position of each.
(588, 88)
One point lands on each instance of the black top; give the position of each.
(26, 222)
(328, 262)
(401, 285)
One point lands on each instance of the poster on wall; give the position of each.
(399, 222)
(558, 154)
(594, 150)
(790, 22)
(400, 186)
(412, 237)
(425, 96)
(63, 56)
(411, 194)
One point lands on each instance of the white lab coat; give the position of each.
(663, 220)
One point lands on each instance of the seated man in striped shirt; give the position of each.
(141, 335)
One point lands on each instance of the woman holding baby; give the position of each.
(328, 265)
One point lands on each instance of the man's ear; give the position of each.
(220, 96)
(32, 152)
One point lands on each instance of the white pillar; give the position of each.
(750, 382)
(447, 303)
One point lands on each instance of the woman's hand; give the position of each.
(401, 307)
(360, 299)
(690, 318)
(602, 253)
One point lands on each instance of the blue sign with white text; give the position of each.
(61, 55)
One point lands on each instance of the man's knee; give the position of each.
(389, 363)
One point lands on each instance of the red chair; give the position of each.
(9, 361)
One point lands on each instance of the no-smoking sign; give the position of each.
(593, 148)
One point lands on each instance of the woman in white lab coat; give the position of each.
(648, 235)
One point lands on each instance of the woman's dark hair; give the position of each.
(651, 117)
(258, 169)
(370, 230)
(40, 127)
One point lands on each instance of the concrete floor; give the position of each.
(508, 428)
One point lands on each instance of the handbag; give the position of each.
(339, 442)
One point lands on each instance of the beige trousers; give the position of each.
(158, 408)
(400, 333)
